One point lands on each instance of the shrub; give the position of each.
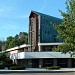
(53, 67)
(10, 65)
(8, 61)
(2, 56)
(17, 67)
(2, 65)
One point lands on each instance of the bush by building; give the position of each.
(17, 67)
(2, 65)
(53, 67)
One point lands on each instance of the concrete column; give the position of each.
(39, 48)
(25, 50)
(69, 63)
(40, 63)
(55, 62)
(14, 61)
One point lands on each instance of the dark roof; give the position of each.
(42, 14)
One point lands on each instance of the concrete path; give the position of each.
(71, 73)
(37, 70)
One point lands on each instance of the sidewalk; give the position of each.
(37, 70)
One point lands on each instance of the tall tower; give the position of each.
(33, 31)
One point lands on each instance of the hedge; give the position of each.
(17, 67)
(10, 65)
(53, 67)
(2, 65)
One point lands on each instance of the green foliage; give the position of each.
(2, 63)
(8, 62)
(20, 39)
(17, 67)
(10, 65)
(5, 61)
(2, 45)
(66, 29)
(3, 56)
(53, 67)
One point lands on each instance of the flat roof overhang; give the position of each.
(48, 44)
(18, 47)
(39, 55)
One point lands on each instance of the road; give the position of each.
(68, 73)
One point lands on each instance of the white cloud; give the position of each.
(11, 13)
(1, 10)
(9, 27)
(5, 11)
(19, 17)
(24, 16)
(44, 4)
(12, 27)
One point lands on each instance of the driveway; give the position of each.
(67, 73)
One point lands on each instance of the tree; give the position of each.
(8, 42)
(20, 39)
(5, 60)
(66, 30)
(23, 38)
(2, 45)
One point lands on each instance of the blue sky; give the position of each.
(14, 14)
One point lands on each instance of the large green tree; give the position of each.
(17, 40)
(66, 29)
(2, 45)
(5, 60)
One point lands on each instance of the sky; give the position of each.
(14, 14)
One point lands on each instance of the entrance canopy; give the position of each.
(33, 55)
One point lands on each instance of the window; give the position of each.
(55, 40)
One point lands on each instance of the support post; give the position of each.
(55, 62)
(39, 48)
(69, 63)
(40, 63)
